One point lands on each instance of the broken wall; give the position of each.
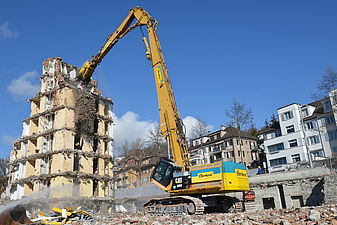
(67, 138)
(330, 189)
(286, 190)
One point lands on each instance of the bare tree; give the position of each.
(138, 144)
(138, 158)
(239, 116)
(155, 139)
(125, 148)
(198, 129)
(121, 165)
(139, 155)
(156, 142)
(327, 83)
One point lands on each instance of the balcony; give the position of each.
(195, 155)
(215, 150)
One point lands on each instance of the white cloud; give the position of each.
(8, 140)
(189, 122)
(129, 127)
(24, 86)
(5, 32)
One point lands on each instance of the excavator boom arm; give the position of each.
(171, 125)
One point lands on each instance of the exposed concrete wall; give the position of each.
(55, 147)
(86, 188)
(291, 175)
(63, 139)
(289, 189)
(266, 193)
(330, 189)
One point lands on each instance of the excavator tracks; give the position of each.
(177, 205)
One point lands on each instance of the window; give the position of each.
(290, 129)
(275, 148)
(327, 106)
(334, 149)
(310, 125)
(313, 140)
(287, 115)
(279, 161)
(293, 143)
(305, 112)
(318, 153)
(329, 120)
(275, 134)
(278, 133)
(227, 155)
(216, 148)
(296, 158)
(254, 156)
(332, 135)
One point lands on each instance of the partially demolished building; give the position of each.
(66, 140)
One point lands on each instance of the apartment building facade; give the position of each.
(226, 144)
(303, 131)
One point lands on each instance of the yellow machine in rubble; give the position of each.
(192, 189)
(63, 216)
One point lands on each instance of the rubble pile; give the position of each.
(307, 215)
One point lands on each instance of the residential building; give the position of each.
(226, 144)
(303, 131)
(135, 168)
(66, 139)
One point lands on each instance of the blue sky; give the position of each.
(264, 54)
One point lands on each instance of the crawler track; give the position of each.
(177, 205)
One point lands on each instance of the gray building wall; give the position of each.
(289, 189)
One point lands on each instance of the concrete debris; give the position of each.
(314, 215)
(307, 216)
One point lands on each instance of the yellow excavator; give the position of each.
(192, 189)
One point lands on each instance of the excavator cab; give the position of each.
(163, 171)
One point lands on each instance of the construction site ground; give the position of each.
(326, 214)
